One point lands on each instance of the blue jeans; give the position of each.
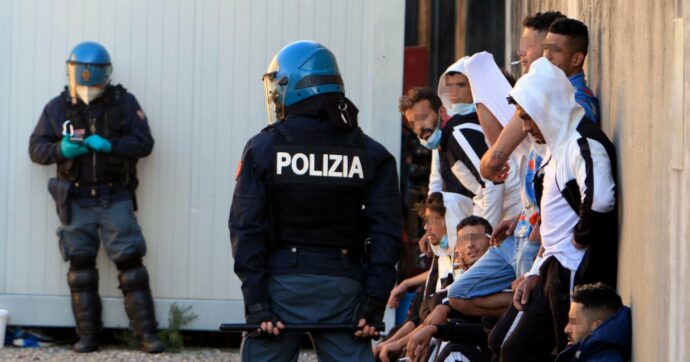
(317, 299)
(491, 274)
(525, 253)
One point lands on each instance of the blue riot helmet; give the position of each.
(299, 71)
(88, 71)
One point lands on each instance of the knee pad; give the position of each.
(81, 280)
(77, 262)
(128, 264)
(133, 276)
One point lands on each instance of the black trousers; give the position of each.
(500, 331)
(540, 335)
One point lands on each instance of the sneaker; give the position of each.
(31, 339)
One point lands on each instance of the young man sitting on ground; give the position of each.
(473, 242)
(599, 326)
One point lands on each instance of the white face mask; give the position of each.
(462, 109)
(88, 94)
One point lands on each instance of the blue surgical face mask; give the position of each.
(462, 109)
(444, 242)
(433, 141)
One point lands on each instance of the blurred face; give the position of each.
(559, 51)
(458, 88)
(474, 242)
(459, 256)
(423, 119)
(580, 324)
(530, 47)
(530, 127)
(435, 226)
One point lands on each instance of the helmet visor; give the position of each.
(274, 92)
(91, 75)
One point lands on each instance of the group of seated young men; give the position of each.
(521, 216)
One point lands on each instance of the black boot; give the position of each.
(134, 282)
(86, 304)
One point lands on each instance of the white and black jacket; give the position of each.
(592, 194)
(463, 144)
(578, 200)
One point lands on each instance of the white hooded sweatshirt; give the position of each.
(490, 88)
(442, 90)
(435, 180)
(492, 201)
(577, 163)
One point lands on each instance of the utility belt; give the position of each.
(341, 262)
(96, 191)
(63, 191)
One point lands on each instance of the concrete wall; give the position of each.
(644, 96)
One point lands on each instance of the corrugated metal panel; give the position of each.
(195, 67)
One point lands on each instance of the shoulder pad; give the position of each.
(119, 87)
(117, 94)
(356, 130)
(120, 92)
(278, 127)
(269, 128)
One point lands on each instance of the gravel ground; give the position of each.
(115, 354)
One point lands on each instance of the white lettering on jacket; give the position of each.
(330, 165)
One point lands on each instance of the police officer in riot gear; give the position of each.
(311, 188)
(95, 132)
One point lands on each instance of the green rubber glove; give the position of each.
(98, 143)
(70, 149)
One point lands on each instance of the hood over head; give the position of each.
(547, 95)
(458, 66)
(489, 86)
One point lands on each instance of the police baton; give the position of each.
(341, 327)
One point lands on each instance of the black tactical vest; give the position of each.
(316, 185)
(105, 118)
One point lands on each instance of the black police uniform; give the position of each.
(94, 194)
(307, 197)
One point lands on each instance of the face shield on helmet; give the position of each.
(87, 81)
(88, 71)
(274, 93)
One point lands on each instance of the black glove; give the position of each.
(371, 309)
(259, 313)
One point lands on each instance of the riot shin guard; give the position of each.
(82, 279)
(134, 282)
